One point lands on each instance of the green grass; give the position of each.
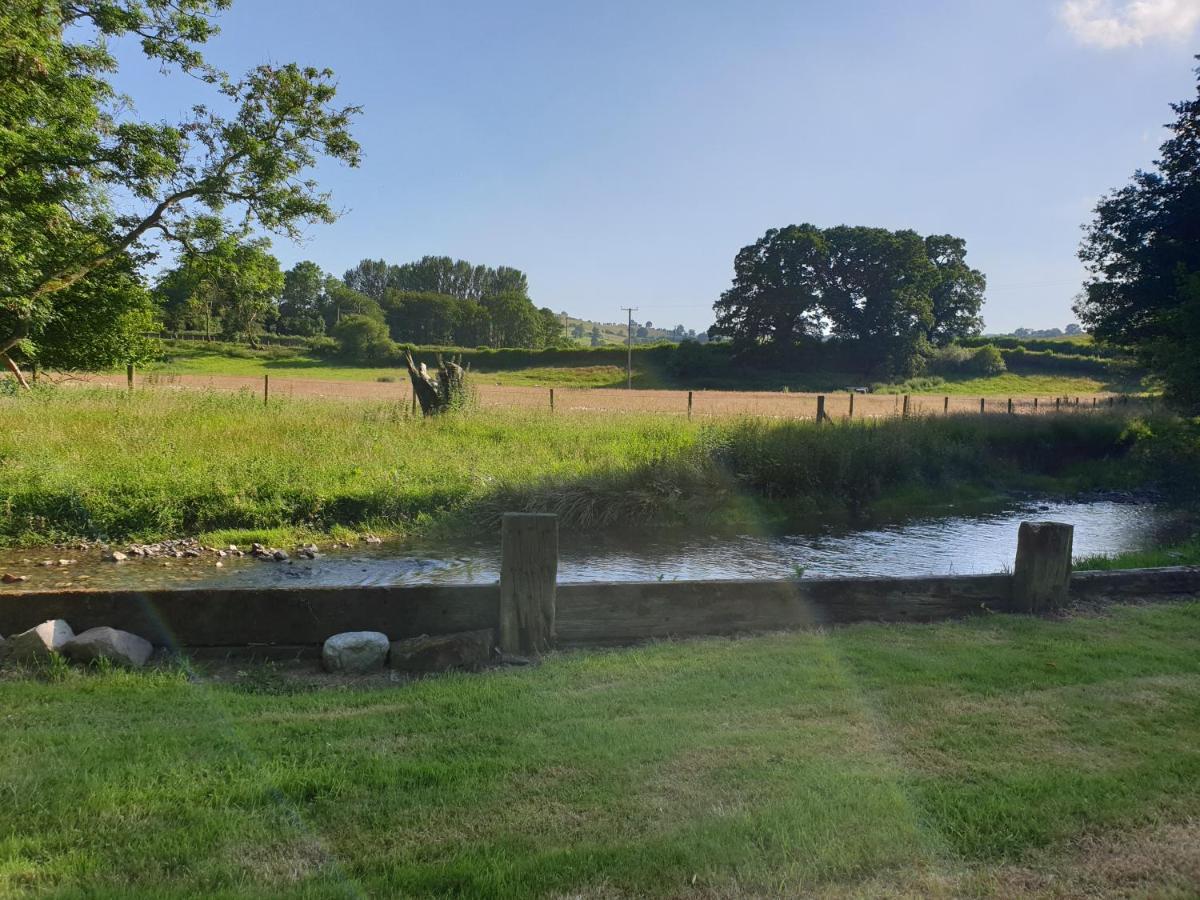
(1185, 553)
(950, 760)
(99, 463)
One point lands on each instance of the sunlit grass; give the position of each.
(936, 758)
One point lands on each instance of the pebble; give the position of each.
(10, 578)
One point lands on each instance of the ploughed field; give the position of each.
(775, 404)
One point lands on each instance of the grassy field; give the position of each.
(997, 757)
(193, 359)
(98, 463)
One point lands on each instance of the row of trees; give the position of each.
(235, 288)
(891, 294)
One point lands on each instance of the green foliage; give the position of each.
(888, 293)
(436, 275)
(1142, 251)
(364, 340)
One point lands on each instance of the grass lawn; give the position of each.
(994, 757)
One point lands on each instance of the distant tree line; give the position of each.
(234, 289)
(885, 297)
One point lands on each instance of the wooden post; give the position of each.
(528, 575)
(551, 399)
(1042, 572)
(266, 389)
(689, 406)
(1093, 403)
(905, 413)
(1110, 402)
(129, 375)
(33, 372)
(414, 400)
(981, 405)
(1010, 406)
(851, 416)
(821, 417)
(1057, 403)
(1035, 404)
(946, 406)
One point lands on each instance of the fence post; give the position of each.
(528, 576)
(1042, 572)
(1057, 404)
(1093, 403)
(1010, 406)
(689, 406)
(851, 416)
(551, 399)
(266, 389)
(821, 417)
(905, 413)
(1035, 404)
(946, 406)
(981, 405)
(1110, 401)
(129, 376)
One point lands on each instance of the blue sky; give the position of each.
(622, 152)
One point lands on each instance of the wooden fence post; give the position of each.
(129, 376)
(1057, 403)
(1035, 404)
(528, 576)
(1042, 572)
(981, 405)
(266, 389)
(1010, 406)
(821, 417)
(946, 406)
(905, 413)
(689, 406)
(551, 399)
(851, 416)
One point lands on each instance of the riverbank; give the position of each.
(95, 464)
(998, 756)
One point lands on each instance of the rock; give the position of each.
(469, 650)
(10, 578)
(66, 562)
(116, 556)
(38, 643)
(117, 646)
(279, 555)
(372, 539)
(355, 652)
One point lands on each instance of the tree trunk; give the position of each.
(16, 370)
(436, 395)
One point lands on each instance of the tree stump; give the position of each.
(528, 578)
(437, 395)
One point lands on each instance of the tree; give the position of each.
(596, 338)
(776, 295)
(1073, 329)
(364, 340)
(514, 321)
(339, 301)
(369, 277)
(957, 292)
(302, 300)
(1142, 252)
(85, 187)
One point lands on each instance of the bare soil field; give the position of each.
(773, 404)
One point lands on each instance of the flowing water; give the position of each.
(925, 546)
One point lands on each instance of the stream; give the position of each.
(923, 546)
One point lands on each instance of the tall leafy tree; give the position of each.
(957, 291)
(84, 186)
(302, 300)
(1142, 252)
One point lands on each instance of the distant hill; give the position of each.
(581, 331)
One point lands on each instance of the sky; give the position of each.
(620, 153)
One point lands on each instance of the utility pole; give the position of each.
(629, 347)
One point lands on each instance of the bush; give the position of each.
(986, 361)
(365, 340)
(322, 345)
(963, 361)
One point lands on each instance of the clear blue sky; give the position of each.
(621, 152)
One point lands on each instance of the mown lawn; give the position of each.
(994, 757)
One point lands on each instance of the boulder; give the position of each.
(355, 652)
(470, 650)
(117, 646)
(38, 643)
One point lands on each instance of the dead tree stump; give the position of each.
(437, 395)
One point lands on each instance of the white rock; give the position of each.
(355, 652)
(117, 646)
(38, 643)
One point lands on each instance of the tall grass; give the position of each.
(101, 463)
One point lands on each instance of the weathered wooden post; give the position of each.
(821, 417)
(266, 389)
(1035, 404)
(528, 575)
(1057, 404)
(851, 416)
(981, 406)
(905, 413)
(551, 399)
(414, 400)
(129, 376)
(946, 406)
(1010, 406)
(1042, 572)
(1093, 403)
(689, 406)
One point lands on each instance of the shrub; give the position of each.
(986, 361)
(364, 340)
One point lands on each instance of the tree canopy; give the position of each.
(436, 275)
(889, 292)
(1142, 252)
(88, 191)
